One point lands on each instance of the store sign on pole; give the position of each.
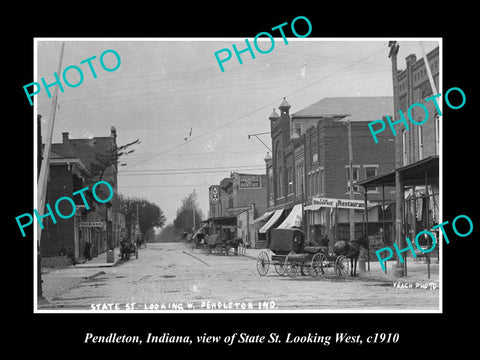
(92, 224)
(215, 193)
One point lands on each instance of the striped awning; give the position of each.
(276, 215)
(293, 219)
(264, 217)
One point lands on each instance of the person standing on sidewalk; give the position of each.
(87, 255)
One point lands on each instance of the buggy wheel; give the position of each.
(208, 250)
(292, 269)
(316, 265)
(280, 268)
(342, 266)
(263, 263)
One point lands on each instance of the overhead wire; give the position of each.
(263, 106)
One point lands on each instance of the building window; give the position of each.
(270, 182)
(280, 183)
(437, 134)
(322, 182)
(370, 171)
(290, 181)
(404, 147)
(353, 183)
(420, 143)
(298, 128)
(299, 179)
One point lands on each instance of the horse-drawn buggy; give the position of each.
(291, 256)
(217, 236)
(127, 248)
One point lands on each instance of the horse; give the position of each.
(351, 249)
(234, 243)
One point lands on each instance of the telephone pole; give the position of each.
(350, 169)
(43, 177)
(399, 270)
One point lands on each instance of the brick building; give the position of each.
(310, 165)
(243, 196)
(416, 174)
(76, 164)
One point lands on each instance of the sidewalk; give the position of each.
(416, 271)
(57, 280)
(99, 261)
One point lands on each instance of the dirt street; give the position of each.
(171, 277)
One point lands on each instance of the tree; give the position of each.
(187, 212)
(150, 214)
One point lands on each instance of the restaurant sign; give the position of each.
(341, 203)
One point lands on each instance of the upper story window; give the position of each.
(355, 178)
(370, 171)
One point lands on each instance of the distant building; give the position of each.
(243, 196)
(308, 172)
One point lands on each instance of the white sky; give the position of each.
(167, 87)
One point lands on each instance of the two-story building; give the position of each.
(76, 164)
(242, 196)
(416, 174)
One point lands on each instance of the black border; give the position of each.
(66, 332)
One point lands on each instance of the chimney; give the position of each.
(410, 59)
(64, 137)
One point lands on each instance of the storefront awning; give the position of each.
(276, 215)
(293, 219)
(264, 217)
(312, 207)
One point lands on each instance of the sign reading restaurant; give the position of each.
(341, 203)
(250, 182)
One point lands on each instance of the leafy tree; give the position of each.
(186, 213)
(150, 214)
(168, 234)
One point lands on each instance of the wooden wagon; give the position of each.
(289, 256)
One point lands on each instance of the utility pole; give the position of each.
(193, 213)
(350, 169)
(399, 270)
(43, 176)
(361, 261)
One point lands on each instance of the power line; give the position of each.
(185, 173)
(194, 169)
(264, 106)
(161, 186)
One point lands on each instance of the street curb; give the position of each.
(90, 266)
(94, 275)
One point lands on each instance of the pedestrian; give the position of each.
(87, 255)
(71, 255)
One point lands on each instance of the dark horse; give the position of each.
(351, 249)
(234, 243)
